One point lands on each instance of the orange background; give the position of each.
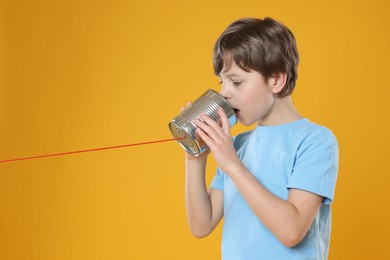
(79, 74)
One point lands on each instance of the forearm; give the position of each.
(198, 203)
(281, 217)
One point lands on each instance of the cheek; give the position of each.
(259, 99)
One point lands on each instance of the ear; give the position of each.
(278, 81)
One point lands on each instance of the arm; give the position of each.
(204, 208)
(288, 220)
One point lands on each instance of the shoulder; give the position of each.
(315, 136)
(241, 139)
(318, 133)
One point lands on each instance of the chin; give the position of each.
(245, 123)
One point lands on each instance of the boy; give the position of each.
(274, 184)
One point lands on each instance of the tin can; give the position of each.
(183, 125)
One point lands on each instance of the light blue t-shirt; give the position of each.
(300, 155)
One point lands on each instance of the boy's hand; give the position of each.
(218, 139)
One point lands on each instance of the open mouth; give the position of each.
(236, 111)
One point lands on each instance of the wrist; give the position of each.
(201, 157)
(193, 159)
(195, 166)
(235, 168)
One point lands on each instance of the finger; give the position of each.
(208, 141)
(207, 129)
(225, 121)
(189, 103)
(216, 127)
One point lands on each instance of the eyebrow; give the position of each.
(229, 75)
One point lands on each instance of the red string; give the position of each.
(89, 150)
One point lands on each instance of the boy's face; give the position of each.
(249, 94)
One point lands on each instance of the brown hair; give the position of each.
(265, 46)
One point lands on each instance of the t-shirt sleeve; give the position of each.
(316, 165)
(217, 182)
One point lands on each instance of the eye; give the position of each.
(236, 83)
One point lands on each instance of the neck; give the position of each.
(283, 112)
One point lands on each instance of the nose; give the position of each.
(225, 92)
